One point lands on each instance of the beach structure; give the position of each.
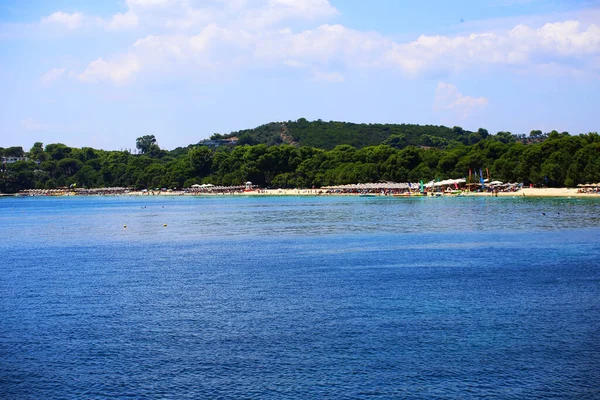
(374, 188)
(79, 191)
(447, 185)
(10, 160)
(588, 188)
(214, 143)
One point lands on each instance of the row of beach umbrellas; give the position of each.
(589, 185)
(213, 187)
(78, 190)
(379, 185)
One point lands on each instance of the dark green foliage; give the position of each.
(327, 135)
(57, 151)
(557, 160)
(147, 143)
(268, 134)
(13, 152)
(396, 141)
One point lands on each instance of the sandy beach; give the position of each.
(525, 192)
(546, 192)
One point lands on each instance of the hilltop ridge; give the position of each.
(328, 135)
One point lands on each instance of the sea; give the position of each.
(235, 297)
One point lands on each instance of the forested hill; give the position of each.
(328, 135)
(558, 160)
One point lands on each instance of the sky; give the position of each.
(100, 74)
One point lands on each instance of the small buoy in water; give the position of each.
(124, 226)
(165, 225)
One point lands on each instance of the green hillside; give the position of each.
(328, 135)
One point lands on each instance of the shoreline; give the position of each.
(525, 192)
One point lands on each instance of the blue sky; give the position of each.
(101, 74)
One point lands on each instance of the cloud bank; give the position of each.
(177, 36)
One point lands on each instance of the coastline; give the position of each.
(524, 192)
(549, 192)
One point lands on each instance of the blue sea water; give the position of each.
(299, 297)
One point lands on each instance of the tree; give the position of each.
(58, 151)
(87, 177)
(505, 137)
(246, 139)
(483, 132)
(458, 130)
(285, 180)
(144, 143)
(432, 141)
(201, 160)
(534, 134)
(397, 141)
(37, 152)
(368, 154)
(14, 152)
(69, 166)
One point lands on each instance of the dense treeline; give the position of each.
(328, 135)
(559, 160)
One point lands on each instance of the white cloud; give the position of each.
(185, 15)
(448, 99)
(221, 48)
(69, 21)
(277, 11)
(523, 45)
(324, 44)
(229, 34)
(213, 47)
(189, 19)
(119, 71)
(119, 21)
(150, 3)
(78, 20)
(49, 77)
(32, 125)
(567, 38)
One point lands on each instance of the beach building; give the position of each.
(214, 143)
(10, 160)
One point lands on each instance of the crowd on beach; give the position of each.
(114, 191)
(589, 189)
(442, 188)
(76, 192)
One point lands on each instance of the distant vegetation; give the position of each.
(305, 154)
(328, 135)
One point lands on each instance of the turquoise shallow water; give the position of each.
(299, 297)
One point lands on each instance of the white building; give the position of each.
(10, 160)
